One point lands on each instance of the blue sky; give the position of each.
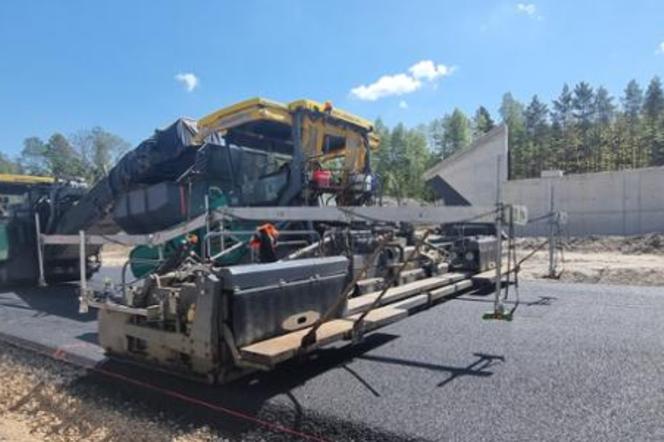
(70, 65)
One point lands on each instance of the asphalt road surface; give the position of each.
(579, 362)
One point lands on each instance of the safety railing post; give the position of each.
(497, 304)
(40, 252)
(82, 262)
(552, 233)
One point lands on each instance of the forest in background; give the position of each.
(86, 155)
(585, 129)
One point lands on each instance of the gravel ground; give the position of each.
(650, 244)
(579, 362)
(623, 260)
(597, 268)
(43, 399)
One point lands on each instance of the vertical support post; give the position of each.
(497, 303)
(552, 238)
(222, 237)
(41, 282)
(83, 298)
(208, 248)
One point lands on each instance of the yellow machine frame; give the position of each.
(25, 179)
(320, 123)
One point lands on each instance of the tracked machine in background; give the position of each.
(256, 238)
(29, 204)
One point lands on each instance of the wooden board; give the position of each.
(411, 302)
(272, 351)
(450, 290)
(408, 276)
(399, 301)
(381, 317)
(362, 303)
(275, 350)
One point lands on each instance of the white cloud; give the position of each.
(426, 69)
(660, 48)
(404, 83)
(528, 9)
(188, 80)
(387, 85)
(403, 104)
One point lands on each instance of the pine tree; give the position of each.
(418, 161)
(435, 136)
(511, 112)
(584, 114)
(633, 100)
(631, 152)
(384, 156)
(564, 138)
(537, 131)
(653, 122)
(450, 134)
(482, 122)
(457, 131)
(402, 158)
(603, 130)
(653, 102)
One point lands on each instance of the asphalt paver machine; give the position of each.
(256, 236)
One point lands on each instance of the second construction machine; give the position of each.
(256, 238)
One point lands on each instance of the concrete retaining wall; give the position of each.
(608, 203)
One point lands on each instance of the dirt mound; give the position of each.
(615, 276)
(629, 245)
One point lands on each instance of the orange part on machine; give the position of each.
(268, 229)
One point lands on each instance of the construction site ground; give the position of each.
(630, 260)
(579, 362)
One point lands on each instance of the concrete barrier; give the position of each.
(626, 202)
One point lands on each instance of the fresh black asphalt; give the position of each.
(579, 362)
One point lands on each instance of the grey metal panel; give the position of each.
(264, 298)
(242, 277)
(414, 215)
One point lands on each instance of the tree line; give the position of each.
(584, 129)
(86, 155)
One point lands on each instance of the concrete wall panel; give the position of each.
(607, 203)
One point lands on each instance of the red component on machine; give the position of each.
(321, 178)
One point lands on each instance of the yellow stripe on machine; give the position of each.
(264, 109)
(25, 179)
